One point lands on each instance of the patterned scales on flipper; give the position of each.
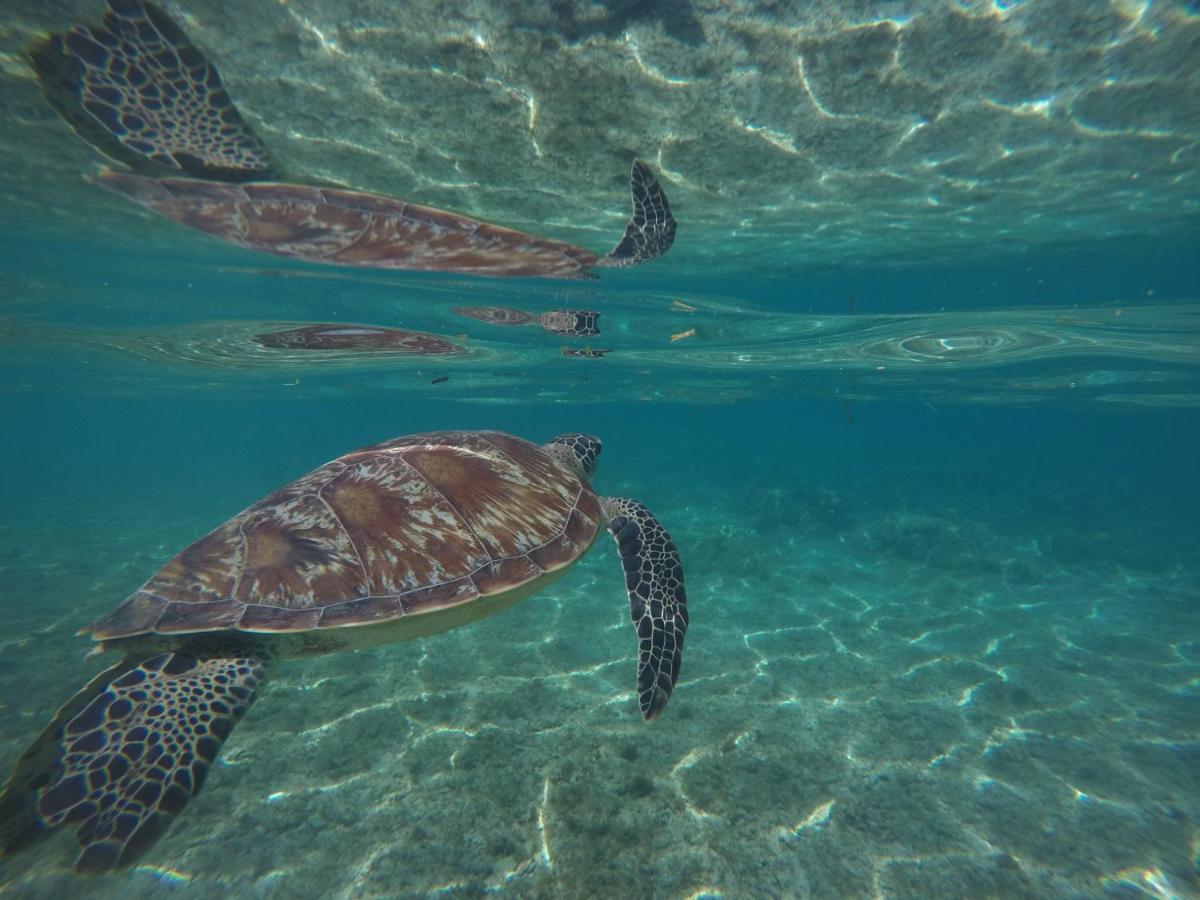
(657, 602)
(137, 88)
(131, 760)
(651, 231)
(570, 322)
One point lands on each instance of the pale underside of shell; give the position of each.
(349, 228)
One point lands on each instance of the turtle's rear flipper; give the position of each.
(126, 754)
(138, 90)
(657, 602)
(651, 231)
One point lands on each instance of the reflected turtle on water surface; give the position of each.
(566, 322)
(400, 540)
(138, 90)
(357, 337)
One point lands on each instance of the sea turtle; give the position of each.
(399, 540)
(138, 90)
(568, 322)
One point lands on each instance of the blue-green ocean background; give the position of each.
(937, 512)
(941, 645)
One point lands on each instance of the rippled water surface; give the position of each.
(916, 392)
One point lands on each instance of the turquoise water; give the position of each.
(934, 489)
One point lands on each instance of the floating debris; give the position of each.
(440, 379)
(585, 352)
(680, 306)
(357, 337)
(683, 334)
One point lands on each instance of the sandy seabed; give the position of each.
(903, 697)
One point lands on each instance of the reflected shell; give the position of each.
(349, 228)
(357, 337)
(495, 315)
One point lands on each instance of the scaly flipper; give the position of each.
(570, 322)
(651, 231)
(136, 89)
(657, 602)
(127, 753)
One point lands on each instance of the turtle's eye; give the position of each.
(585, 448)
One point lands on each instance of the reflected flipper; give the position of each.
(138, 90)
(651, 231)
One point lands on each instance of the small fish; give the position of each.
(440, 379)
(683, 334)
(682, 307)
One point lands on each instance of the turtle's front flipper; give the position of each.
(138, 90)
(657, 602)
(126, 754)
(651, 231)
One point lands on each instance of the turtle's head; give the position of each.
(580, 451)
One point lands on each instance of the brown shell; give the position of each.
(495, 315)
(349, 228)
(325, 336)
(409, 526)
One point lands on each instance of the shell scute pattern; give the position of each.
(257, 617)
(297, 553)
(206, 571)
(406, 533)
(511, 503)
(406, 526)
(504, 574)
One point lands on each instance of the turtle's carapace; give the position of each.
(403, 539)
